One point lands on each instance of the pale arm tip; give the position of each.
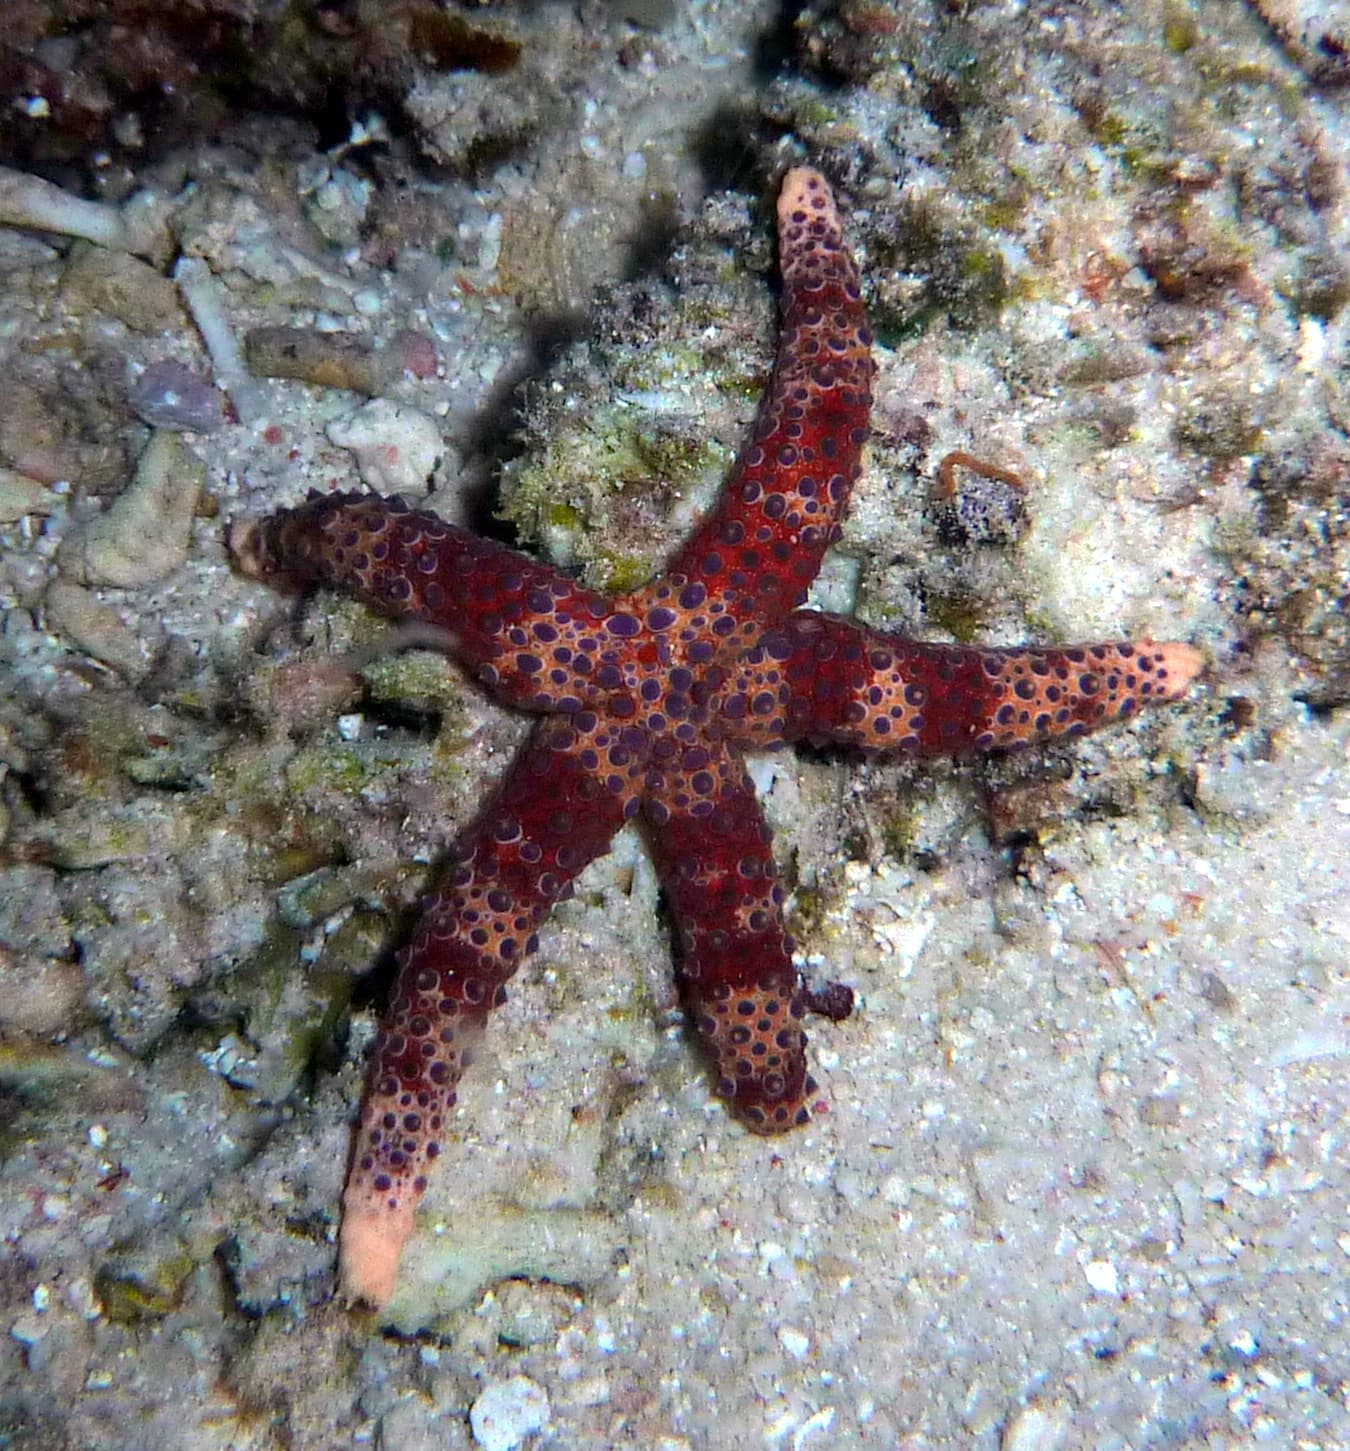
(805, 190)
(244, 542)
(369, 1246)
(1182, 663)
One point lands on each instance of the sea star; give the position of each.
(648, 701)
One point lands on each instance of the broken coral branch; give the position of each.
(202, 297)
(339, 359)
(138, 226)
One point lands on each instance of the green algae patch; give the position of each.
(807, 910)
(597, 495)
(621, 573)
(352, 766)
(139, 1289)
(1181, 30)
(963, 616)
(329, 767)
(419, 680)
(1221, 425)
(289, 1013)
(900, 832)
(310, 1042)
(96, 835)
(961, 270)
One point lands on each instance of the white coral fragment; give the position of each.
(145, 532)
(28, 201)
(397, 448)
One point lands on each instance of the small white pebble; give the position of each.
(895, 1189)
(397, 448)
(1244, 1342)
(349, 726)
(29, 1329)
(98, 1135)
(1312, 344)
(589, 1390)
(1037, 1428)
(80, 1297)
(794, 1341)
(42, 1297)
(507, 1411)
(1101, 1275)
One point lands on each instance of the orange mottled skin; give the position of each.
(647, 702)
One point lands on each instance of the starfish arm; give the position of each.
(572, 787)
(825, 678)
(747, 1000)
(528, 630)
(750, 560)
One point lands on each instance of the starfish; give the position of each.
(648, 701)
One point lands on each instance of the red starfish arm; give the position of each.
(529, 631)
(747, 1000)
(825, 678)
(750, 561)
(572, 787)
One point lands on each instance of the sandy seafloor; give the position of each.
(1079, 1171)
